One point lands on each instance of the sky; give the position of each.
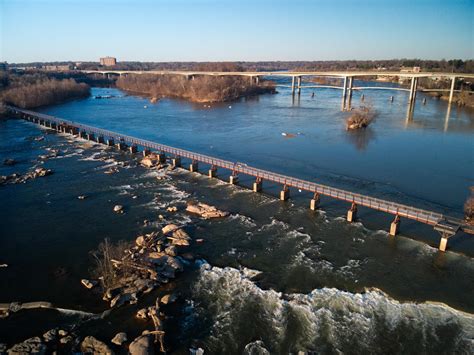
(222, 30)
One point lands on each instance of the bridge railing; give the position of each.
(420, 215)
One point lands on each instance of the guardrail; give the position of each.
(394, 208)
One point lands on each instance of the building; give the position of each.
(56, 67)
(3, 66)
(108, 61)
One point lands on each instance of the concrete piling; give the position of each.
(395, 226)
(176, 162)
(146, 152)
(90, 136)
(110, 142)
(212, 172)
(233, 179)
(314, 203)
(133, 149)
(443, 243)
(352, 213)
(193, 167)
(257, 185)
(285, 193)
(121, 146)
(100, 139)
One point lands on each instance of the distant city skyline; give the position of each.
(212, 30)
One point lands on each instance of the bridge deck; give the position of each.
(417, 214)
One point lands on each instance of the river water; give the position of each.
(273, 275)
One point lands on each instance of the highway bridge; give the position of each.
(347, 78)
(446, 225)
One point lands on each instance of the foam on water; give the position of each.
(326, 320)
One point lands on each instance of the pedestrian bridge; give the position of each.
(446, 225)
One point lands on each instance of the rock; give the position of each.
(50, 335)
(205, 211)
(174, 263)
(93, 346)
(40, 172)
(9, 162)
(30, 346)
(122, 298)
(144, 285)
(194, 351)
(169, 298)
(150, 161)
(188, 256)
(89, 283)
(161, 216)
(169, 228)
(142, 313)
(140, 241)
(143, 345)
(119, 338)
(171, 250)
(200, 240)
(62, 332)
(81, 197)
(179, 237)
(66, 340)
(118, 209)
(172, 209)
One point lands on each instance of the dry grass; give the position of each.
(360, 118)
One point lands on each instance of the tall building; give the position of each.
(108, 61)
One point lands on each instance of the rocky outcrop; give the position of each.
(143, 345)
(119, 338)
(118, 209)
(88, 283)
(18, 178)
(205, 211)
(91, 345)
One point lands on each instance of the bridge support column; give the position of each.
(257, 185)
(285, 193)
(292, 85)
(75, 131)
(349, 98)
(193, 167)
(395, 226)
(53, 126)
(352, 213)
(451, 90)
(257, 80)
(110, 142)
(81, 135)
(234, 179)
(100, 140)
(162, 157)
(90, 136)
(299, 85)
(146, 152)
(121, 146)
(133, 149)
(212, 172)
(412, 97)
(176, 162)
(314, 203)
(443, 243)
(344, 94)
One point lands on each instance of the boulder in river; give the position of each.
(205, 211)
(30, 346)
(88, 283)
(169, 228)
(119, 338)
(179, 238)
(143, 345)
(93, 346)
(171, 250)
(169, 298)
(51, 335)
(118, 209)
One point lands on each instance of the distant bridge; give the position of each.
(296, 78)
(446, 225)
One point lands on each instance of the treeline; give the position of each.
(30, 91)
(199, 89)
(452, 65)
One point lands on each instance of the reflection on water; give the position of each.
(360, 137)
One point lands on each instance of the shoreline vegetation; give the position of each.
(35, 90)
(201, 89)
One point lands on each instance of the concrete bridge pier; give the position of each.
(349, 98)
(257, 185)
(133, 149)
(257, 80)
(395, 226)
(299, 85)
(285, 193)
(110, 142)
(234, 179)
(352, 213)
(75, 131)
(82, 134)
(213, 171)
(344, 94)
(314, 203)
(53, 126)
(90, 136)
(162, 157)
(193, 167)
(100, 139)
(292, 85)
(176, 162)
(412, 97)
(121, 146)
(443, 243)
(451, 90)
(146, 152)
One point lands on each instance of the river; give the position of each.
(273, 275)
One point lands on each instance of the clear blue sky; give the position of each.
(217, 30)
